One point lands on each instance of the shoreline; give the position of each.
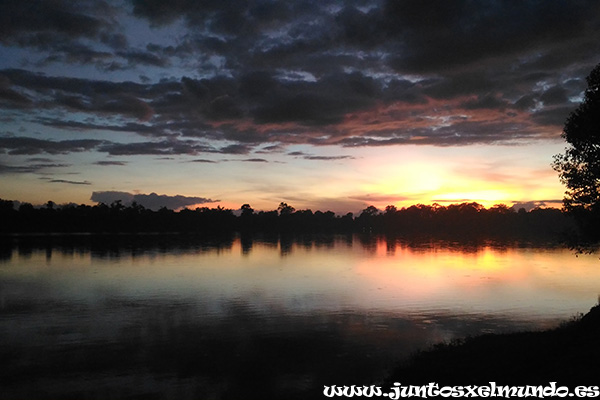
(568, 355)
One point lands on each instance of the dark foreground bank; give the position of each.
(568, 355)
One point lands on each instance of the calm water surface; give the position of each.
(173, 317)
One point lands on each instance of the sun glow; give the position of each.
(408, 179)
(428, 185)
(426, 175)
(487, 198)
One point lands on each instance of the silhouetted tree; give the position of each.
(370, 211)
(8, 214)
(247, 210)
(285, 209)
(390, 210)
(579, 166)
(454, 220)
(6, 206)
(500, 209)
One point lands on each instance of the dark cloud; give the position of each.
(130, 127)
(11, 97)
(483, 102)
(110, 163)
(49, 165)
(188, 108)
(270, 149)
(135, 57)
(328, 158)
(57, 29)
(75, 53)
(165, 147)
(15, 145)
(96, 97)
(440, 35)
(223, 18)
(128, 105)
(109, 197)
(29, 146)
(261, 75)
(235, 149)
(69, 182)
(554, 95)
(254, 160)
(319, 158)
(324, 102)
(161, 13)
(552, 116)
(15, 169)
(30, 168)
(64, 17)
(526, 102)
(152, 201)
(530, 205)
(40, 159)
(505, 129)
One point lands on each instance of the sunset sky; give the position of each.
(328, 105)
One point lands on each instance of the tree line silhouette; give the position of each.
(470, 219)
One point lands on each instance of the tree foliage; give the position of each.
(452, 221)
(579, 166)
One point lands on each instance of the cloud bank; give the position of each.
(151, 201)
(238, 78)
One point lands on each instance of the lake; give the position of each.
(180, 317)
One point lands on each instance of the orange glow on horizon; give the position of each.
(424, 175)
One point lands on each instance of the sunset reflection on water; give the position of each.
(297, 311)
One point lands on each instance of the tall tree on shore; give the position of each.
(579, 166)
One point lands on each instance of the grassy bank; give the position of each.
(569, 355)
